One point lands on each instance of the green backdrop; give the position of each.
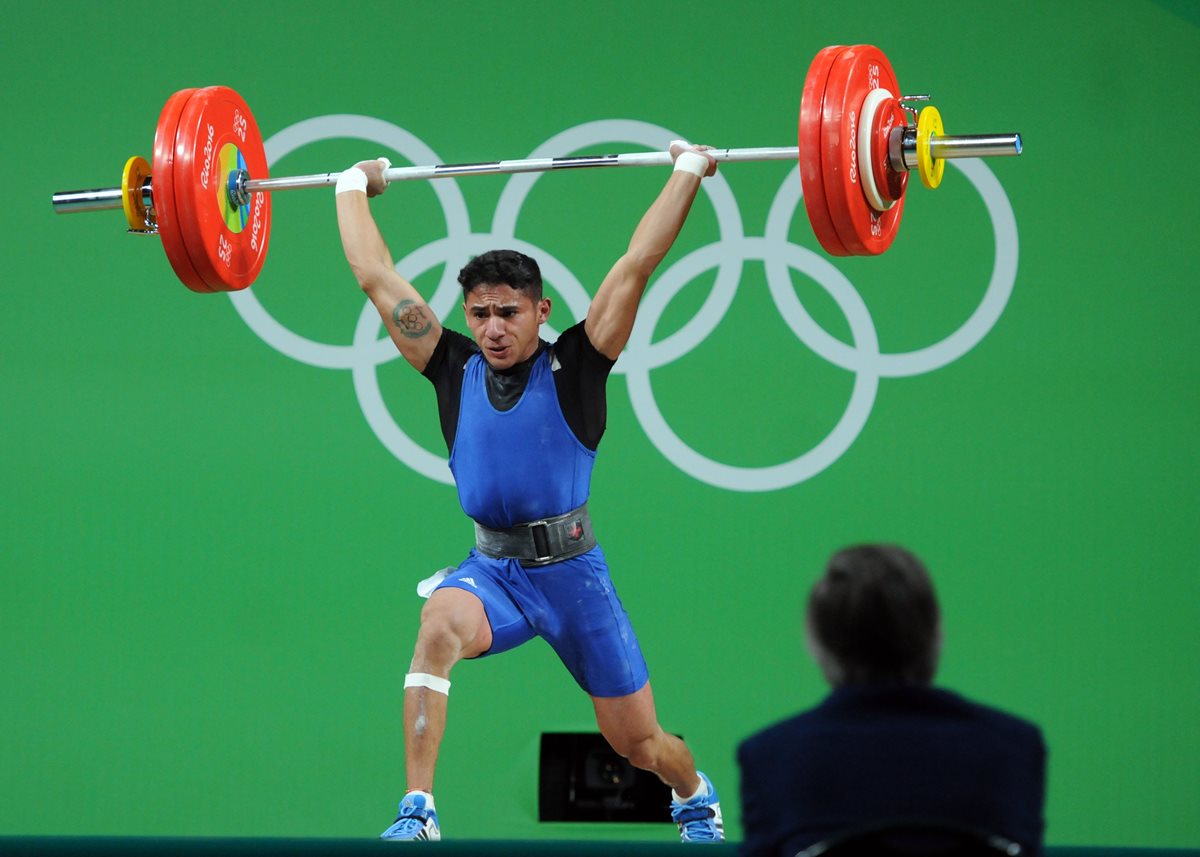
(209, 552)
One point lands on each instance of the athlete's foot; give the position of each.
(417, 819)
(699, 817)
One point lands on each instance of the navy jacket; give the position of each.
(867, 754)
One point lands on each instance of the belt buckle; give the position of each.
(541, 546)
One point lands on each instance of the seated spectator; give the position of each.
(885, 744)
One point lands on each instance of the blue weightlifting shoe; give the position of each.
(417, 820)
(699, 819)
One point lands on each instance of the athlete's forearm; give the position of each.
(662, 222)
(362, 241)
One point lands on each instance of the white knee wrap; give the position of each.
(433, 682)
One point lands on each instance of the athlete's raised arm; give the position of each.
(611, 315)
(409, 321)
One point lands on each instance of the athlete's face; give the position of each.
(505, 323)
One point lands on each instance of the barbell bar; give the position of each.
(240, 186)
(206, 194)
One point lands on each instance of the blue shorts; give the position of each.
(572, 605)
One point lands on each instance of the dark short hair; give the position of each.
(502, 267)
(873, 618)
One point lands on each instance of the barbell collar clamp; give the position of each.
(239, 195)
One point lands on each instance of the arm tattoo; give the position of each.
(410, 319)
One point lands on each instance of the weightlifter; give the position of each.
(522, 419)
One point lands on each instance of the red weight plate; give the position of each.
(890, 182)
(856, 71)
(809, 140)
(218, 134)
(162, 180)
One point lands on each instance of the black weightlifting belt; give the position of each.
(539, 542)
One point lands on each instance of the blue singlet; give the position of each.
(521, 465)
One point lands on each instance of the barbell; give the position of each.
(206, 193)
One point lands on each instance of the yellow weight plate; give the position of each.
(929, 124)
(137, 170)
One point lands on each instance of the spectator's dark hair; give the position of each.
(873, 618)
(502, 268)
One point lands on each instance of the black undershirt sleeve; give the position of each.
(580, 375)
(580, 383)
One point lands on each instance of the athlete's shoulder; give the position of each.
(451, 353)
(574, 347)
(457, 342)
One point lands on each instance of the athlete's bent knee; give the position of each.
(440, 636)
(449, 631)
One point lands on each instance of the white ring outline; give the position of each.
(383, 133)
(806, 465)
(716, 188)
(922, 360)
(366, 378)
(778, 255)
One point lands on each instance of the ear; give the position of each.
(543, 310)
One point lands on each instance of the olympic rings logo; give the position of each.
(728, 255)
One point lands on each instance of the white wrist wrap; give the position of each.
(433, 682)
(352, 179)
(692, 162)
